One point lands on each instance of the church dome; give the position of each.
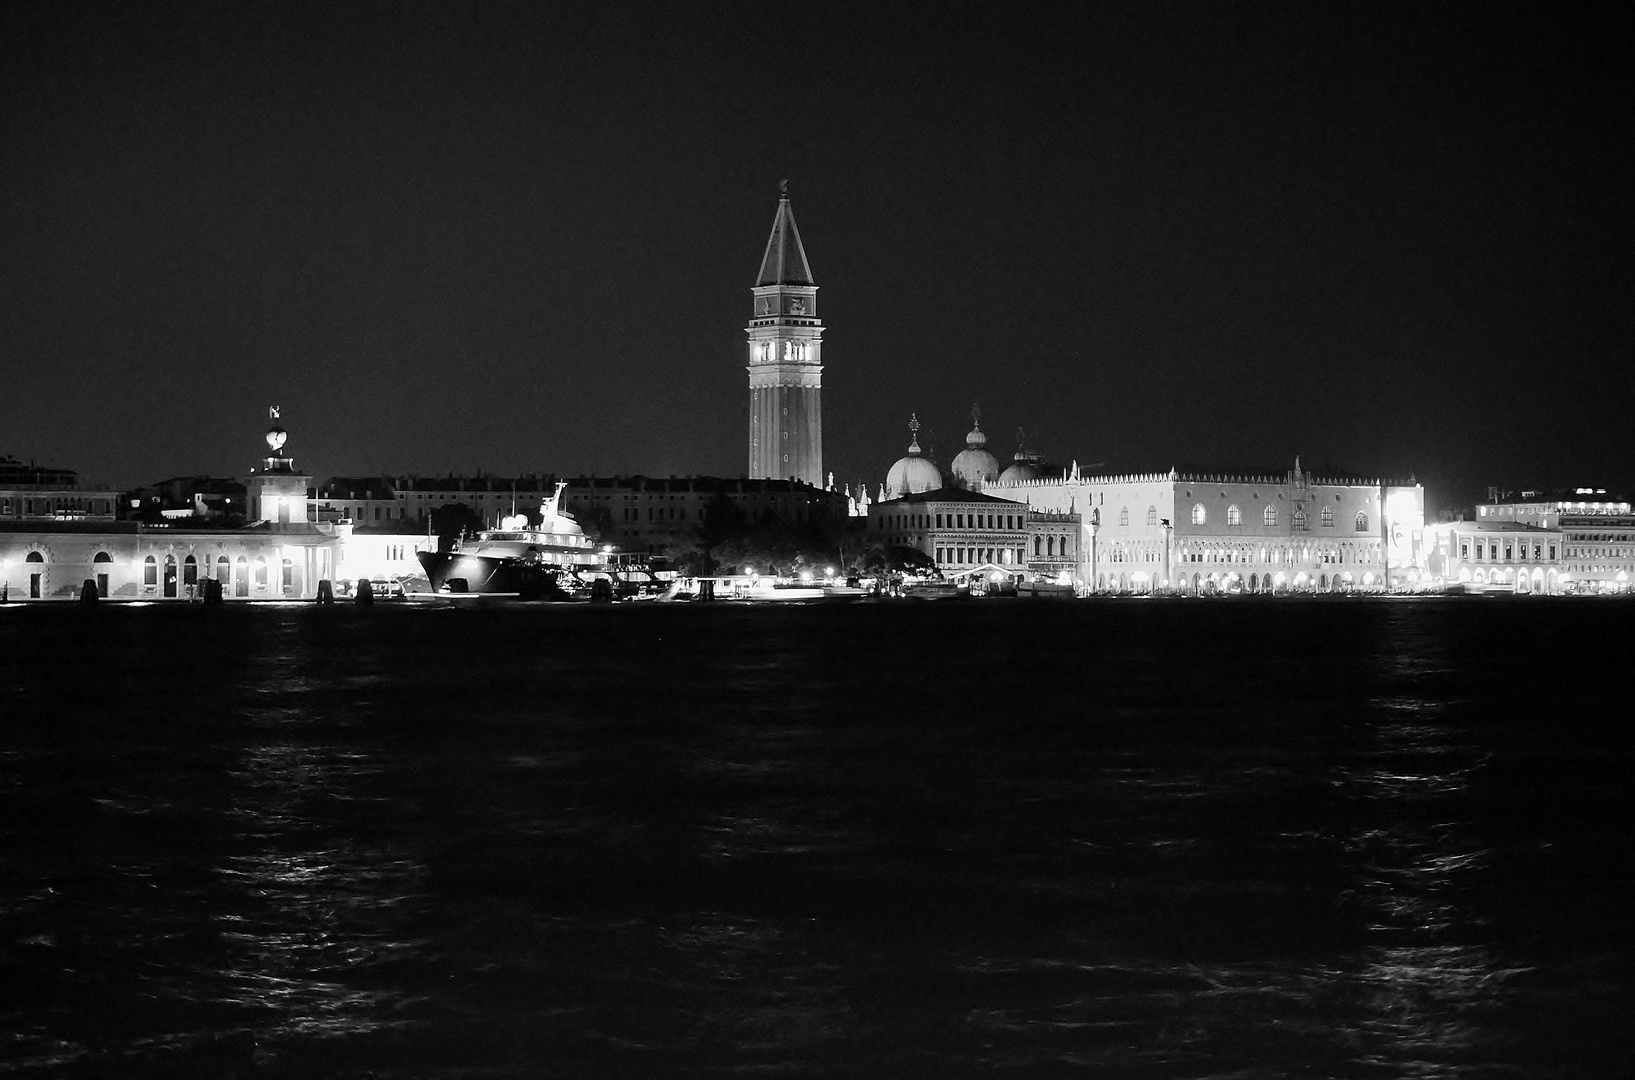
(1020, 471)
(1024, 466)
(912, 473)
(975, 465)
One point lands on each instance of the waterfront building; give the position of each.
(1597, 532)
(1053, 541)
(1492, 556)
(785, 354)
(366, 500)
(648, 515)
(36, 493)
(662, 515)
(960, 530)
(1253, 531)
(192, 499)
(276, 554)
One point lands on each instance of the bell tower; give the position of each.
(785, 360)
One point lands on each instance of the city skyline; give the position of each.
(494, 238)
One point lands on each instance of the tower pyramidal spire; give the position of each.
(785, 260)
(785, 359)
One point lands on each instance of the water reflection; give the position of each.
(1429, 983)
(311, 917)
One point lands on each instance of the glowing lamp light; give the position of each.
(806, 577)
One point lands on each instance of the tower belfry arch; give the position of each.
(785, 359)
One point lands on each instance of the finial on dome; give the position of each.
(914, 433)
(783, 189)
(976, 438)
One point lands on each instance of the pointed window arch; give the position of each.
(1234, 516)
(1198, 515)
(1299, 519)
(1268, 516)
(1124, 517)
(1361, 523)
(1152, 516)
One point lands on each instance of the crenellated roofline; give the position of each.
(1179, 477)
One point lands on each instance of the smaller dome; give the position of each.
(912, 473)
(1020, 472)
(975, 465)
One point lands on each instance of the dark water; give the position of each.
(1131, 839)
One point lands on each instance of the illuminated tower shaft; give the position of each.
(785, 361)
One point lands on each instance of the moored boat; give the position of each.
(531, 562)
(740, 588)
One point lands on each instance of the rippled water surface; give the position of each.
(1354, 839)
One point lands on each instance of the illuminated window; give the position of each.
(1328, 517)
(1299, 519)
(1152, 515)
(1361, 523)
(1124, 517)
(1198, 515)
(1464, 552)
(150, 571)
(1268, 516)
(1234, 516)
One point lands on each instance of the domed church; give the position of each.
(912, 474)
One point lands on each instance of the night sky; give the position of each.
(522, 238)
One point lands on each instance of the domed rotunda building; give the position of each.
(912, 474)
(975, 465)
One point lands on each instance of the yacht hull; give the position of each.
(472, 573)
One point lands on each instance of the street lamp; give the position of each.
(1164, 524)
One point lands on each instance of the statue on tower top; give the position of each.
(276, 435)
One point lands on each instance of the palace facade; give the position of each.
(1204, 532)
